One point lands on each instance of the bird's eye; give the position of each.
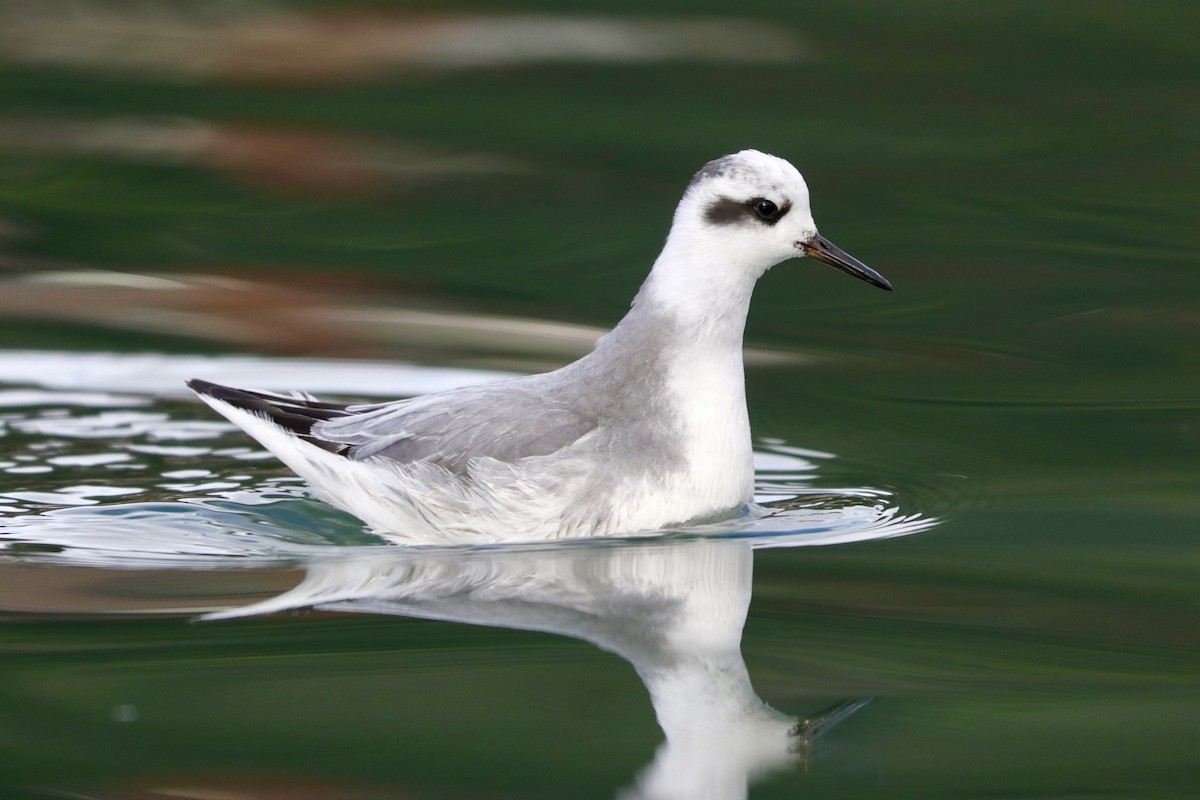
(765, 208)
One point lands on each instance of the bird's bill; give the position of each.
(829, 253)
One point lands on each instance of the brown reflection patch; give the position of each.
(73, 592)
(293, 311)
(280, 45)
(289, 159)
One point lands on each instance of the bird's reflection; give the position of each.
(674, 610)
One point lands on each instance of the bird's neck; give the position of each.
(680, 350)
(686, 324)
(703, 291)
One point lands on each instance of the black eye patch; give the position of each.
(727, 211)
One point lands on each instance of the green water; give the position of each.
(1025, 175)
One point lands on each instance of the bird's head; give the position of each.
(751, 211)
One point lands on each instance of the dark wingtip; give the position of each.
(290, 413)
(201, 386)
(219, 392)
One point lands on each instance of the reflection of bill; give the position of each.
(674, 610)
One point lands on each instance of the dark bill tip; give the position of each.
(829, 253)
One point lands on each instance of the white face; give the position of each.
(751, 205)
(752, 209)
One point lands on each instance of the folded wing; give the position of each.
(509, 421)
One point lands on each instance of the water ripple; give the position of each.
(98, 475)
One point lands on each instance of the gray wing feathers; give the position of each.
(505, 422)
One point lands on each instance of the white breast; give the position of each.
(718, 468)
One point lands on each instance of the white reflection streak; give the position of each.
(229, 41)
(675, 611)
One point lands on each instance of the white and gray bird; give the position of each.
(647, 431)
